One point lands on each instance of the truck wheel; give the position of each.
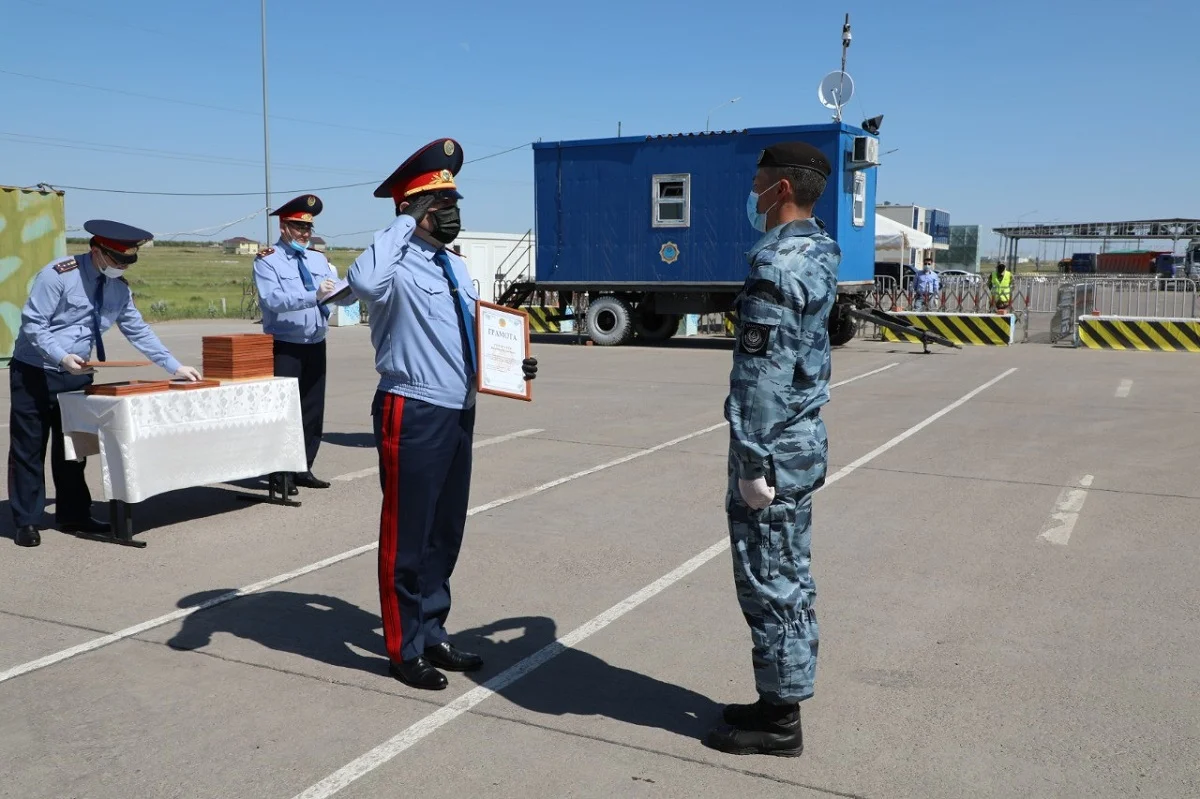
(842, 326)
(656, 327)
(609, 321)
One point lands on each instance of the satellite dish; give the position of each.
(835, 90)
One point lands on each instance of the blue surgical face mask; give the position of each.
(758, 218)
(297, 246)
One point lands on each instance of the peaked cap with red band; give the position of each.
(118, 238)
(301, 209)
(432, 168)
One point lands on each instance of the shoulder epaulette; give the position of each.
(267, 251)
(123, 280)
(66, 266)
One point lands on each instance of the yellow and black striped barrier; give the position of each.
(543, 319)
(1126, 333)
(961, 328)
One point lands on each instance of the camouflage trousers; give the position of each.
(771, 566)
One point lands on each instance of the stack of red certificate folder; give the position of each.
(238, 356)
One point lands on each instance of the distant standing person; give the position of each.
(291, 281)
(73, 301)
(1000, 286)
(778, 450)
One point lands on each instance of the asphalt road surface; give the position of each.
(1006, 560)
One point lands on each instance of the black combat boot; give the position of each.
(759, 729)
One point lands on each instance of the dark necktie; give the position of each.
(461, 305)
(307, 277)
(97, 304)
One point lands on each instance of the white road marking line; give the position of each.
(381, 754)
(483, 442)
(137, 629)
(1066, 512)
(1124, 389)
(865, 374)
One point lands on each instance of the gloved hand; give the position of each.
(419, 207)
(529, 367)
(756, 493)
(187, 373)
(325, 289)
(75, 365)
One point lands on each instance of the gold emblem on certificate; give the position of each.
(502, 343)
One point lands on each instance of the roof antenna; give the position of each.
(837, 88)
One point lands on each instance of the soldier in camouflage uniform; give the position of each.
(778, 449)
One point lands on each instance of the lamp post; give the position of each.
(710, 113)
(266, 132)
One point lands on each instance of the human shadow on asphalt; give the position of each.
(314, 626)
(577, 683)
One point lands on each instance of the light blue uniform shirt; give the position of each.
(927, 282)
(57, 318)
(289, 310)
(419, 346)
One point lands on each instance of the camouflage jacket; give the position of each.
(781, 358)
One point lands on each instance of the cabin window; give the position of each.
(860, 199)
(672, 200)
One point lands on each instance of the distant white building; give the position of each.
(510, 254)
(932, 221)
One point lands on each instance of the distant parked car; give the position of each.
(959, 274)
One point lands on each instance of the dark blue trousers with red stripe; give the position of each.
(425, 473)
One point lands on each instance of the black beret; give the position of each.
(795, 154)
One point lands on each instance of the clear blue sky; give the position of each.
(1063, 107)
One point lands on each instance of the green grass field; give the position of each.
(201, 281)
(197, 281)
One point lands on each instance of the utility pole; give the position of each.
(266, 131)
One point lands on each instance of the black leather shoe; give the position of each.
(309, 480)
(759, 729)
(88, 526)
(446, 656)
(28, 536)
(418, 673)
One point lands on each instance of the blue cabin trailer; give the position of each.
(653, 227)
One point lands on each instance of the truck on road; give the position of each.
(633, 233)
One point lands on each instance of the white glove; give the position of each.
(325, 289)
(187, 373)
(756, 493)
(75, 365)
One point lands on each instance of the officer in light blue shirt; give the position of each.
(292, 281)
(73, 301)
(422, 305)
(926, 286)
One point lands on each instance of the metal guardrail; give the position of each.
(1063, 297)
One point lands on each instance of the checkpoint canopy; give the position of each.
(894, 236)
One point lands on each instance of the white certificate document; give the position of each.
(502, 343)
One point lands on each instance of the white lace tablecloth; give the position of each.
(153, 443)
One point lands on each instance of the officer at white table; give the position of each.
(72, 302)
(291, 281)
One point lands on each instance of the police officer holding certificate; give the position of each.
(422, 306)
